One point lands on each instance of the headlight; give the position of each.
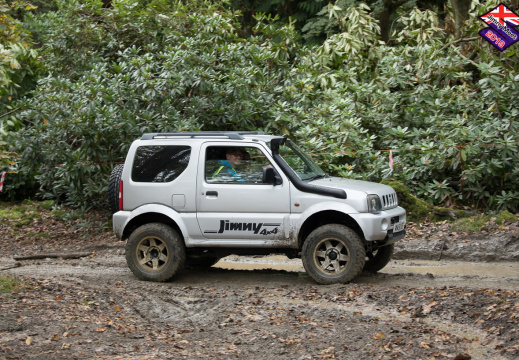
(374, 204)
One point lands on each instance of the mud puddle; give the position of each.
(278, 268)
(503, 275)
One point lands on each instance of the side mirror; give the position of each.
(270, 176)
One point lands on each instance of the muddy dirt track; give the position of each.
(259, 308)
(418, 307)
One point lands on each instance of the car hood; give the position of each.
(349, 185)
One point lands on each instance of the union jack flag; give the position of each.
(502, 14)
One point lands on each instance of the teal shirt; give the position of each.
(227, 168)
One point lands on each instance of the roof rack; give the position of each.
(234, 135)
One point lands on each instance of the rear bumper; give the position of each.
(119, 220)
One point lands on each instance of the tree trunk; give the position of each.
(385, 27)
(384, 18)
(461, 13)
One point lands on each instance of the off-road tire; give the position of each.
(155, 252)
(332, 254)
(113, 188)
(379, 258)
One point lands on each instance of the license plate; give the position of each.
(399, 226)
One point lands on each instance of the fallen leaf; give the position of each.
(427, 308)
(463, 357)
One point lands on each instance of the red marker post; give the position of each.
(2, 181)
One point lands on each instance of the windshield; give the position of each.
(301, 163)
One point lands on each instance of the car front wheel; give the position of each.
(333, 253)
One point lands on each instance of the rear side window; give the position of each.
(159, 163)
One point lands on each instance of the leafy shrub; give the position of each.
(113, 74)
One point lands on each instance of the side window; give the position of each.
(235, 164)
(159, 163)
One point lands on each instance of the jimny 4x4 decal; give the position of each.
(226, 225)
(501, 32)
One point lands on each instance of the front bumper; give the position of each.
(394, 237)
(379, 227)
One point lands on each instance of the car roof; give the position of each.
(231, 135)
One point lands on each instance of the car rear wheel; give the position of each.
(155, 252)
(379, 258)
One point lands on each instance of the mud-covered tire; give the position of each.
(332, 254)
(379, 258)
(113, 188)
(155, 252)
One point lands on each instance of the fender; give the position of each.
(121, 219)
(299, 219)
(326, 206)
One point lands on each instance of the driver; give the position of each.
(227, 169)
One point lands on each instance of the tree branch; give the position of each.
(9, 112)
(458, 41)
(53, 256)
(11, 267)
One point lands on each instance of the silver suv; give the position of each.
(193, 198)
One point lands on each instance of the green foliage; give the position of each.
(444, 106)
(299, 11)
(417, 28)
(15, 71)
(352, 45)
(16, 57)
(62, 214)
(7, 158)
(447, 118)
(205, 78)
(18, 73)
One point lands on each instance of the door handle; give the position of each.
(212, 193)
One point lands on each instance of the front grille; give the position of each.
(389, 201)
